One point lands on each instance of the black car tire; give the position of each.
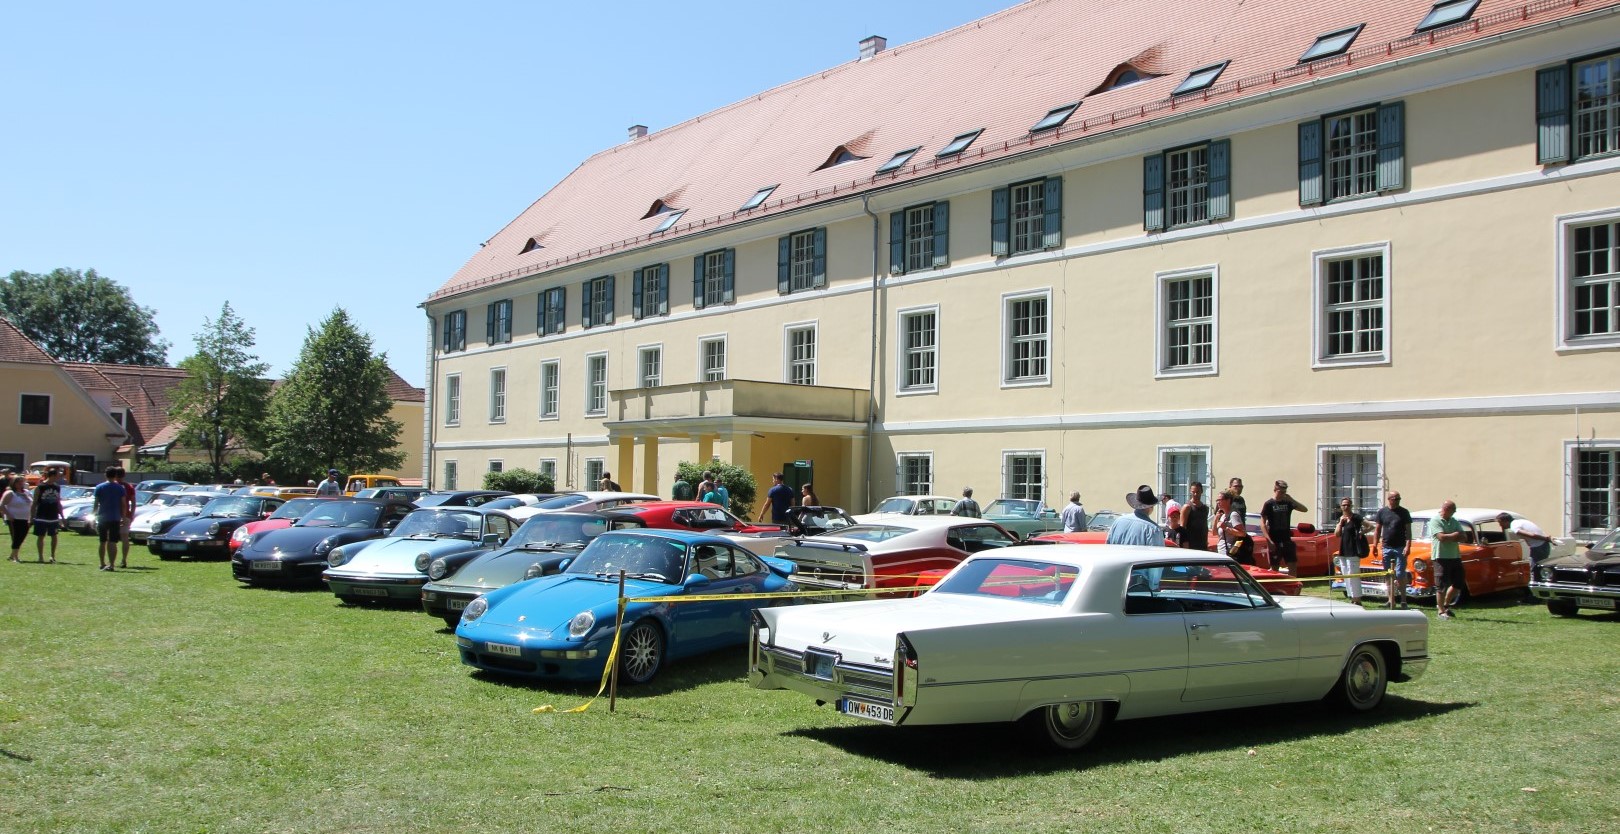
(1066, 727)
(167, 557)
(1364, 680)
(641, 653)
(1562, 607)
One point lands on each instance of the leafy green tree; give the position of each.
(82, 317)
(221, 404)
(332, 410)
(519, 481)
(737, 481)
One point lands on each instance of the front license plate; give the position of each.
(456, 604)
(867, 710)
(502, 648)
(267, 565)
(1595, 602)
(370, 592)
(174, 546)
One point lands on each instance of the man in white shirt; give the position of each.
(1074, 515)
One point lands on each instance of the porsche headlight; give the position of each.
(580, 625)
(324, 547)
(240, 536)
(437, 569)
(213, 530)
(335, 558)
(423, 559)
(474, 610)
(534, 570)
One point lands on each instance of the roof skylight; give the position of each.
(1333, 43)
(1056, 117)
(759, 197)
(960, 143)
(1447, 12)
(669, 221)
(897, 161)
(1198, 79)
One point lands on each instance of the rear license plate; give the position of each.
(456, 604)
(174, 545)
(866, 709)
(370, 592)
(1595, 602)
(267, 565)
(502, 648)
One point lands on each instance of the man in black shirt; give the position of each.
(1277, 516)
(1394, 536)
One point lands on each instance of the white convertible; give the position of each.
(1064, 637)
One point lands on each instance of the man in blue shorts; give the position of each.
(109, 512)
(1394, 536)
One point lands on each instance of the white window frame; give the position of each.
(903, 483)
(551, 390)
(1565, 266)
(1327, 504)
(790, 359)
(452, 399)
(714, 278)
(497, 394)
(1007, 302)
(918, 244)
(1007, 456)
(656, 378)
(1603, 112)
(1186, 200)
(593, 408)
(50, 408)
(1026, 225)
(1319, 313)
(1179, 490)
(593, 469)
(725, 355)
(452, 474)
(802, 261)
(1571, 492)
(1162, 315)
(903, 351)
(496, 465)
(548, 469)
(1359, 163)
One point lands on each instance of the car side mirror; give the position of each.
(490, 539)
(696, 580)
(563, 565)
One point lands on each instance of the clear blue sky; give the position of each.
(296, 156)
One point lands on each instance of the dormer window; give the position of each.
(840, 155)
(959, 144)
(759, 198)
(658, 207)
(531, 245)
(1332, 43)
(670, 220)
(1200, 79)
(1055, 118)
(1447, 12)
(897, 161)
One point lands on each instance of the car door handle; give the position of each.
(1197, 626)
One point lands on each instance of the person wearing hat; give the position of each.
(1139, 527)
(330, 486)
(1277, 517)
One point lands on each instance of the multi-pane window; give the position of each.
(1354, 300)
(1180, 467)
(1351, 154)
(548, 470)
(498, 322)
(1023, 475)
(1354, 472)
(649, 291)
(1028, 216)
(497, 466)
(1186, 186)
(1594, 290)
(455, 330)
(1188, 340)
(452, 400)
(801, 260)
(450, 473)
(34, 410)
(919, 356)
(712, 277)
(550, 388)
(596, 384)
(801, 355)
(916, 474)
(1027, 344)
(1595, 488)
(551, 313)
(593, 471)
(497, 395)
(712, 353)
(919, 237)
(1597, 106)
(597, 303)
(652, 367)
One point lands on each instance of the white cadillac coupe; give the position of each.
(1064, 638)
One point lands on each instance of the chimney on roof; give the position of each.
(873, 45)
(637, 132)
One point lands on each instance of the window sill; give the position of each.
(1032, 382)
(1587, 343)
(920, 390)
(1322, 363)
(1186, 372)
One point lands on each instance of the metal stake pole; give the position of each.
(613, 657)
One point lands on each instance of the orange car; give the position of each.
(1491, 562)
(359, 482)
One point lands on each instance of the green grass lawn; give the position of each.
(167, 698)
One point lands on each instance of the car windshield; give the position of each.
(505, 503)
(1102, 521)
(233, 507)
(71, 492)
(562, 502)
(440, 524)
(192, 499)
(824, 521)
(296, 508)
(894, 505)
(640, 557)
(873, 532)
(548, 530)
(1609, 542)
(344, 514)
(705, 518)
(1022, 507)
(1025, 580)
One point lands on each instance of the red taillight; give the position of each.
(908, 653)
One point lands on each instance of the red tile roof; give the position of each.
(16, 347)
(1002, 73)
(401, 391)
(147, 391)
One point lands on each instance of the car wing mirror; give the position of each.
(696, 580)
(490, 539)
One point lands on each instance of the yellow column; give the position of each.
(648, 480)
(742, 451)
(705, 444)
(853, 484)
(626, 466)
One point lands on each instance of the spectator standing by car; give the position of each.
(1446, 535)
(682, 490)
(1537, 542)
(15, 502)
(705, 486)
(129, 517)
(1194, 529)
(331, 486)
(1074, 515)
(607, 483)
(778, 499)
(267, 480)
(967, 506)
(808, 496)
(1277, 518)
(109, 512)
(1231, 535)
(1352, 547)
(725, 494)
(1239, 506)
(1393, 532)
(1138, 528)
(46, 512)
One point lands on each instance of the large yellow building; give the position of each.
(1083, 246)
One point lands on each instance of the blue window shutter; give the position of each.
(1220, 179)
(607, 298)
(697, 282)
(942, 234)
(1552, 114)
(445, 342)
(585, 306)
(729, 275)
(1310, 163)
(1391, 146)
(540, 314)
(561, 322)
(636, 291)
(1052, 224)
(1153, 192)
(1000, 208)
(820, 250)
(489, 324)
(784, 265)
(663, 289)
(897, 242)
